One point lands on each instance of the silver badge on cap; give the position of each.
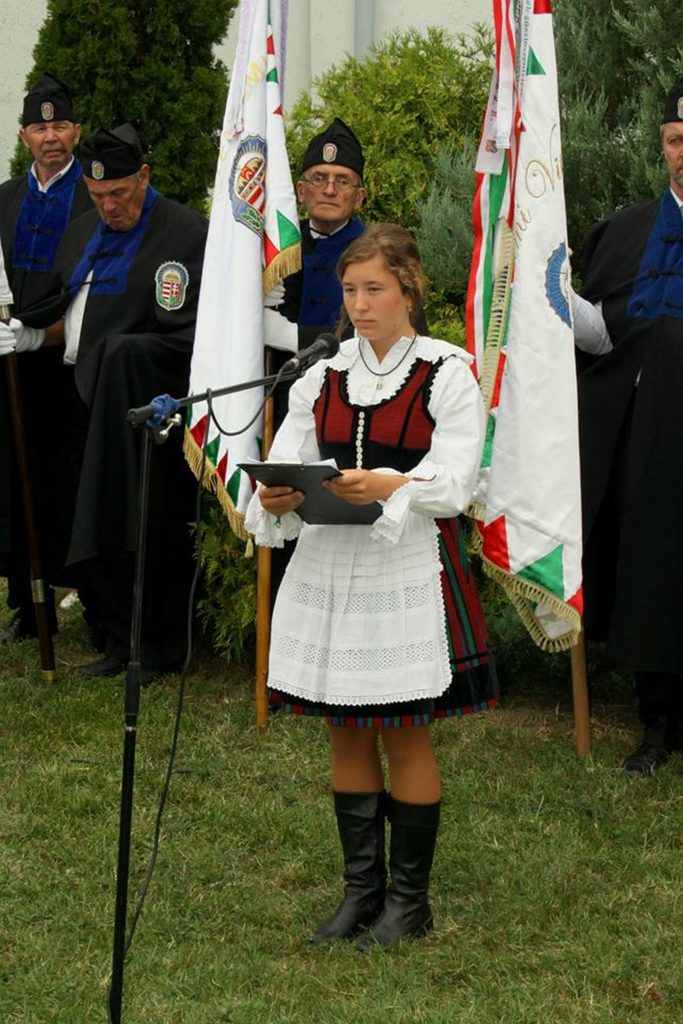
(97, 170)
(679, 108)
(329, 152)
(47, 111)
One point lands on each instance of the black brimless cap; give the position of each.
(673, 105)
(337, 144)
(112, 153)
(48, 99)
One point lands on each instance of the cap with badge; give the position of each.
(673, 105)
(48, 99)
(112, 153)
(337, 144)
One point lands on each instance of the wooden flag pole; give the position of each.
(263, 587)
(38, 588)
(582, 724)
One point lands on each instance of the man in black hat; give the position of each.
(129, 273)
(309, 302)
(631, 432)
(331, 189)
(35, 208)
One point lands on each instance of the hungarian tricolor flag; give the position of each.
(253, 242)
(527, 505)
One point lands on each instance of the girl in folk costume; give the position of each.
(378, 628)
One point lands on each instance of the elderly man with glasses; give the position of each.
(309, 302)
(331, 189)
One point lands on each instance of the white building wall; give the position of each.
(19, 24)
(320, 33)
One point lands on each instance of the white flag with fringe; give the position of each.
(253, 242)
(528, 502)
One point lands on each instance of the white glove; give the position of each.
(26, 339)
(275, 297)
(8, 342)
(590, 330)
(279, 332)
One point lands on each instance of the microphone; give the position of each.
(324, 347)
(159, 410)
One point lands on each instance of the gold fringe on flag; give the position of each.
(503, 266)
(212, 482)
(524, 596)
(285, 263)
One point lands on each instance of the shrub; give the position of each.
(227, 610)
(409, 95)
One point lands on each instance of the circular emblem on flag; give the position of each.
(171, 281)
(557, 283)
(97, 170)
(47, 111)
(248, 183)
(329, 152)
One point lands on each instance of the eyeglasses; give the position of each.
(339, 181)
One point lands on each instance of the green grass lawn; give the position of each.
(557, 887)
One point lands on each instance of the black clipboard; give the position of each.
(319, 507)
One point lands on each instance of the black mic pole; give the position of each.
(132, 705)
(135, 417)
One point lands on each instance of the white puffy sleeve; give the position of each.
(442, 483)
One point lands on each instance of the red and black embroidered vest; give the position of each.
(396, 432)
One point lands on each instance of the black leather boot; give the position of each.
(406, 909)
(654, 750)
(360, 819)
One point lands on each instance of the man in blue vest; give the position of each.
(331, 189)
(309, 302)
(630, 321)
(35, 209)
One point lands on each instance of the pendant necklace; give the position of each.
(386, 373)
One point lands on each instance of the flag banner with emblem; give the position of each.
(253, 242)
(527, 504)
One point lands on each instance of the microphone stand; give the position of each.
(136, 417)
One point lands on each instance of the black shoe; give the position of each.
(150, 675)
(645, 760)
(103, 668)
(18, 629)
(22, 625)
(95, 640)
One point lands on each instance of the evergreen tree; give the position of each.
(616, 60)
(151, 64)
